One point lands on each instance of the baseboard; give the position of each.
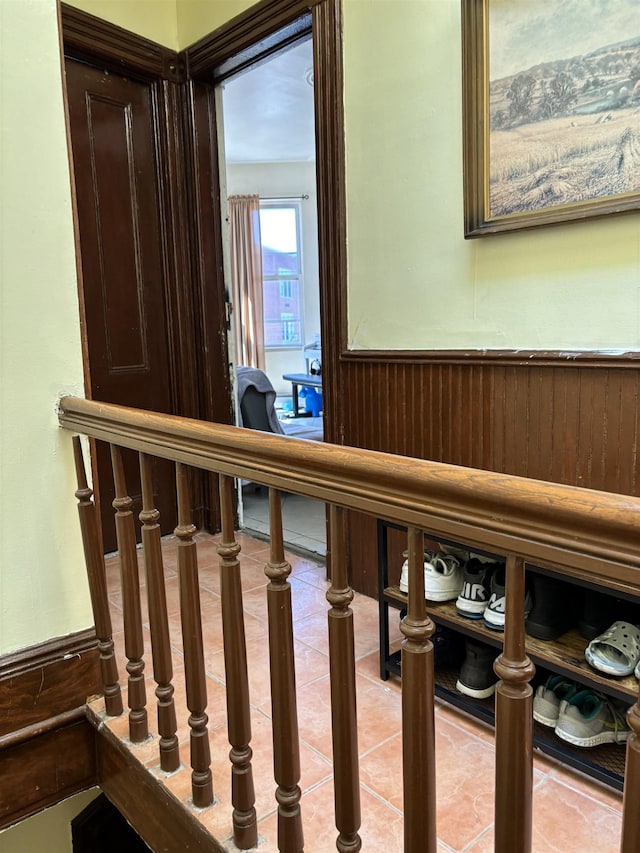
(47, 748)
(48, 679)
(45, 769)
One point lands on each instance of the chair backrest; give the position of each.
(257, 399)
(253, 408)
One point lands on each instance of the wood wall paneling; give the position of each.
(46, 680)
(46, 746)
(45, 770)
(568, 421)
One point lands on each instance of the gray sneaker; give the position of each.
(590, 719)
(549, 696)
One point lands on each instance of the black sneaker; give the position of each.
(477, 677)
(448, 647)
(494, 613)
(551, 614)
(473, 600)
(597, 613)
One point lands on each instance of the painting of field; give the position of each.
(564, 130)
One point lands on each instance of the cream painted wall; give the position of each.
(43, 588)
(414, 282)
(49, 830)
(197, 18)
(288, 179)
(154, 19)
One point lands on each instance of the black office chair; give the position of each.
(257, 401)
(253, 408)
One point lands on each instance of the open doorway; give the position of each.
(268, 174)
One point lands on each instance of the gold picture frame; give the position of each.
(551, 112)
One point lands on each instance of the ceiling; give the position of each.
(268, 110)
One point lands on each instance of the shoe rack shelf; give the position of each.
(564, 656)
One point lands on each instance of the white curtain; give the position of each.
(246, 279)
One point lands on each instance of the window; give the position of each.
(281, 274)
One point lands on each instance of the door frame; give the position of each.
(103, 45)
(183, 86)
(261, 31)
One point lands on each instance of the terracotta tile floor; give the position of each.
(571, 813)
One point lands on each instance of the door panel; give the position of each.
(121, 250)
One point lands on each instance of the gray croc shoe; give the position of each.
(616, 651)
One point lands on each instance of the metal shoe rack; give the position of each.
(564, 656)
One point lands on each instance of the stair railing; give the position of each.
(583, 534)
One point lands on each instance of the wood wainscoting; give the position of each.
(47, 747)
(570, 418)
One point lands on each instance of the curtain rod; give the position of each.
(283, 197)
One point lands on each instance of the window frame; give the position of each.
(296, 205)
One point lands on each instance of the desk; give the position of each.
(296, 379)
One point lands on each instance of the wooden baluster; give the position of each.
(418, 729)
(94, 560)
(514, 723)
(284, 712)
(630, 812)
(159, 623)
(195, 680)
(245, 827)
(343, 692)
(130, 581)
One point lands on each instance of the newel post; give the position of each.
(514, 723)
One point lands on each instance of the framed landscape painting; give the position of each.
(551, 111)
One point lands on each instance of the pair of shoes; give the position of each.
(551, 614)
(494, 614)
(548, 698)
(616, 651)
(442, 576)
(476, 677)
(591, 719)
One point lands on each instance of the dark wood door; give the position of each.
(115, 161)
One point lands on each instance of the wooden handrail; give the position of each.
(589, 535)
(584, 533)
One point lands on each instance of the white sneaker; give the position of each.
(443, 577)
(404, 574)
(548, 698)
